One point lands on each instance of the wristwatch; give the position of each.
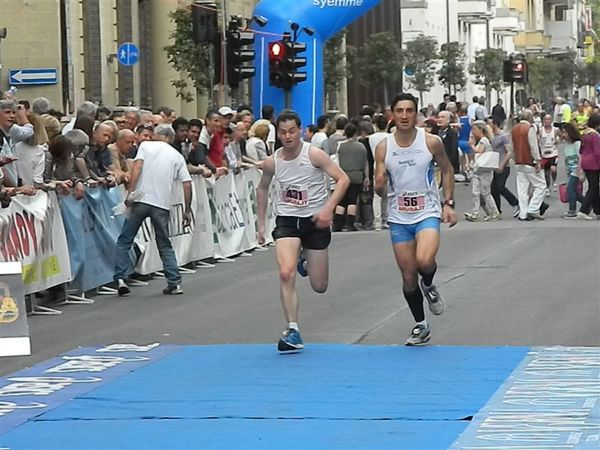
(449, 203)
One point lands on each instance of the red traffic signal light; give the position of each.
(518, 67)
(276, 50)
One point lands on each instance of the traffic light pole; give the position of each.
(287, 98)
(512, 101)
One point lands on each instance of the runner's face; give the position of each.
(405, 115)
(547, 121)
(289, 134)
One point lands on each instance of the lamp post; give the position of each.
(2, 36)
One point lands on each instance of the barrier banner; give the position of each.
(182, 238)
(92, 231)
(227, 216)
(203, 232)
(254, 175)
(14, 332)
(32, 233)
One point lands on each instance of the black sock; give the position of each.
(428, 277)
(415, 303)
(338, 222)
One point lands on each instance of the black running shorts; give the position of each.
(311, 237)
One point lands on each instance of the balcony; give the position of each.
(532, 42)
(507, 22)
(563, 34)
(413, 4)
(474, 11)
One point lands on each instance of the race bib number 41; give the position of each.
(295, 196)
(411, 202)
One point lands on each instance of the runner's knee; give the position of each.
(287, 274)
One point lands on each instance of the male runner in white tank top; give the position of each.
(304, 211)
(404, 161)
(549, 137)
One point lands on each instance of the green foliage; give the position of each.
(543, 76)
(422, 56)
(334, 69)
(184, 55)
(487, 68)
(565, 65)
(380, 61)
(452, 73)
(588, 74)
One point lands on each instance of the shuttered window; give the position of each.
(144, 11)
(124, 34)
(92, 52)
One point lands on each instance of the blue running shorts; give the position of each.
(406, 233)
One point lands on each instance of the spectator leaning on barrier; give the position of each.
(81, 141)
(60, 172)
(14, 128)
(120, 166)
(256, 147)
(200, 152)
(156, 167)
(97, 156)
(132, 117)
(31, 154)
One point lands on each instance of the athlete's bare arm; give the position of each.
(436, 147)
(320, 159)
(262, 196)
(380, 172)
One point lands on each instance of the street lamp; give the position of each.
(2, 36)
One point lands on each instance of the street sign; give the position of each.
(128, 54)
(409, 71)
(32, 76)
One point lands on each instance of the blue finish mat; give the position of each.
(249, 397)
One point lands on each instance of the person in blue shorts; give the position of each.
(404, 161)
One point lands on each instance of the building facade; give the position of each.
(79, 38)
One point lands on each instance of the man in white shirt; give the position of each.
(14, 128)
(156, 166)
(379, 203)
(321, 135)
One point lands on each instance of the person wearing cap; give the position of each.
(14, 128)
(199, 155)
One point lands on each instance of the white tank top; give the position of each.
(548, 143)
(301, 186)
(412, 191)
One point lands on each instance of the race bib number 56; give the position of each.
(411, 202)
(295, 196)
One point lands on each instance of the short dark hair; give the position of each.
(475, 99)
(405, 96)
(350, 130)
(212, 113)
(196, 123)
(364, 126)
(287, 115)
(165, 110)
(594, 121)
(244, 107)
(267, 112)
(180, 122)
(381, 122)
(228, 131)
(572, 132)
(367, 110)
(312, 128)
(341, 122)
(453, 98)
(322, 121)
(25, 104)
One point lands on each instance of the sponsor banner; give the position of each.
(31, 392)
(551, 401)
(254, 176)
(14, 332)
(203, 231)
(92, 231)
(32, 233)
(246, 190)
(227, 216)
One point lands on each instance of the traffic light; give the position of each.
(237, 55)
(295, 62)
(515, 69)
(277, 64)
(205, 29)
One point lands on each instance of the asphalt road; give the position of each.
(505, 283)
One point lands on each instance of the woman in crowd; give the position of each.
(32, 154)
(61, 173)
(590, 163)
(256, 146)
(481, 182)
(572, 137)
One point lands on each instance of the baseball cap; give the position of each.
(226, 111)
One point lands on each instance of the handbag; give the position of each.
(564, 195)
(489, 160)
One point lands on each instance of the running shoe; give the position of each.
(173, 290)
(537, 216)
(543, 208)
(473, 217)
(516, 211)
(570, 215)
(290, 342)
(435, 300)
(420, 336)
(584, 216)
(301, 266)
(495, 216)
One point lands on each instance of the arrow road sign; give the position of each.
(32, 76)
(128, 54)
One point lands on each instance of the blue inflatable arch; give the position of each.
(325, 17)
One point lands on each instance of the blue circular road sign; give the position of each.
(128, 54)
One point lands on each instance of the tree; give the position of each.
(452, 72)
(422, 56)
(334, 69)
(565, 65)
(587, 74)
(543, 76)
(380, 61)
(184, 55)
(487, 69)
